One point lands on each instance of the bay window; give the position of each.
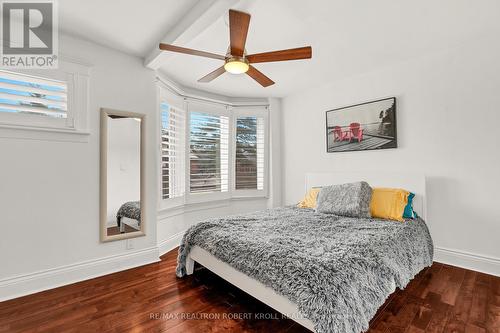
(211, 151)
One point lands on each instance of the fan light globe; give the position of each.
(236, 65)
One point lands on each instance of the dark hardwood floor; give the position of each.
(151, 299)
(111, 231)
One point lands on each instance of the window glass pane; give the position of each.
(24, 94)
(249, 170)
(208, 153)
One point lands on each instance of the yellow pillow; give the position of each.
(389, 203)
(309, 200)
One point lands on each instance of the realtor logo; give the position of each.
(29, 34)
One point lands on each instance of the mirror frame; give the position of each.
(104, 178)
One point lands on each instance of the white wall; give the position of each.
(448, 129)
(275, 154)
(173, 224)
(124, 164)
(49, 190)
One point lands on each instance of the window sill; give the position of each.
(180, 209)
(249, 196)
(43, 133)
(191, 207)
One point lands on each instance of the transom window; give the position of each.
(31, 95)
(46, 104)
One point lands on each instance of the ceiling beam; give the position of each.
(199, 18)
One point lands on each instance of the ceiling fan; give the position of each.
(236, 61)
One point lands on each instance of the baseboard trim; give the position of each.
(476, 262)
(26, 284)
(170, 243)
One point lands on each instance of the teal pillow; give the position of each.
(408, 212)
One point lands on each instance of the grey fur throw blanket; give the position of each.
(338, 270)
(131, 209)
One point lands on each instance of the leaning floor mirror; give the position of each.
(122, 175)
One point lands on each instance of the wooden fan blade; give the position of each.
(259, 77)
(283, 55)
(178, 49)
(238, 30)
(213, 75)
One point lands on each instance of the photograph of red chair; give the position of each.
(365, 126)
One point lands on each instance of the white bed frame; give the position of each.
(413, 183)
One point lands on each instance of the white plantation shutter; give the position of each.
(25, 94)
(209, 155)
(211, 151)
(173, 122)
(249, 157)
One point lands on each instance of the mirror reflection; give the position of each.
(123, 155)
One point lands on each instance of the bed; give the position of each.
(129, 210)
(328, 273)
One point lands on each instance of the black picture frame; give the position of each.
(356, 128)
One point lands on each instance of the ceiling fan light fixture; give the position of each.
(236, 60)
(236, 65)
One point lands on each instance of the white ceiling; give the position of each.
(349, 37)
(131, 26)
